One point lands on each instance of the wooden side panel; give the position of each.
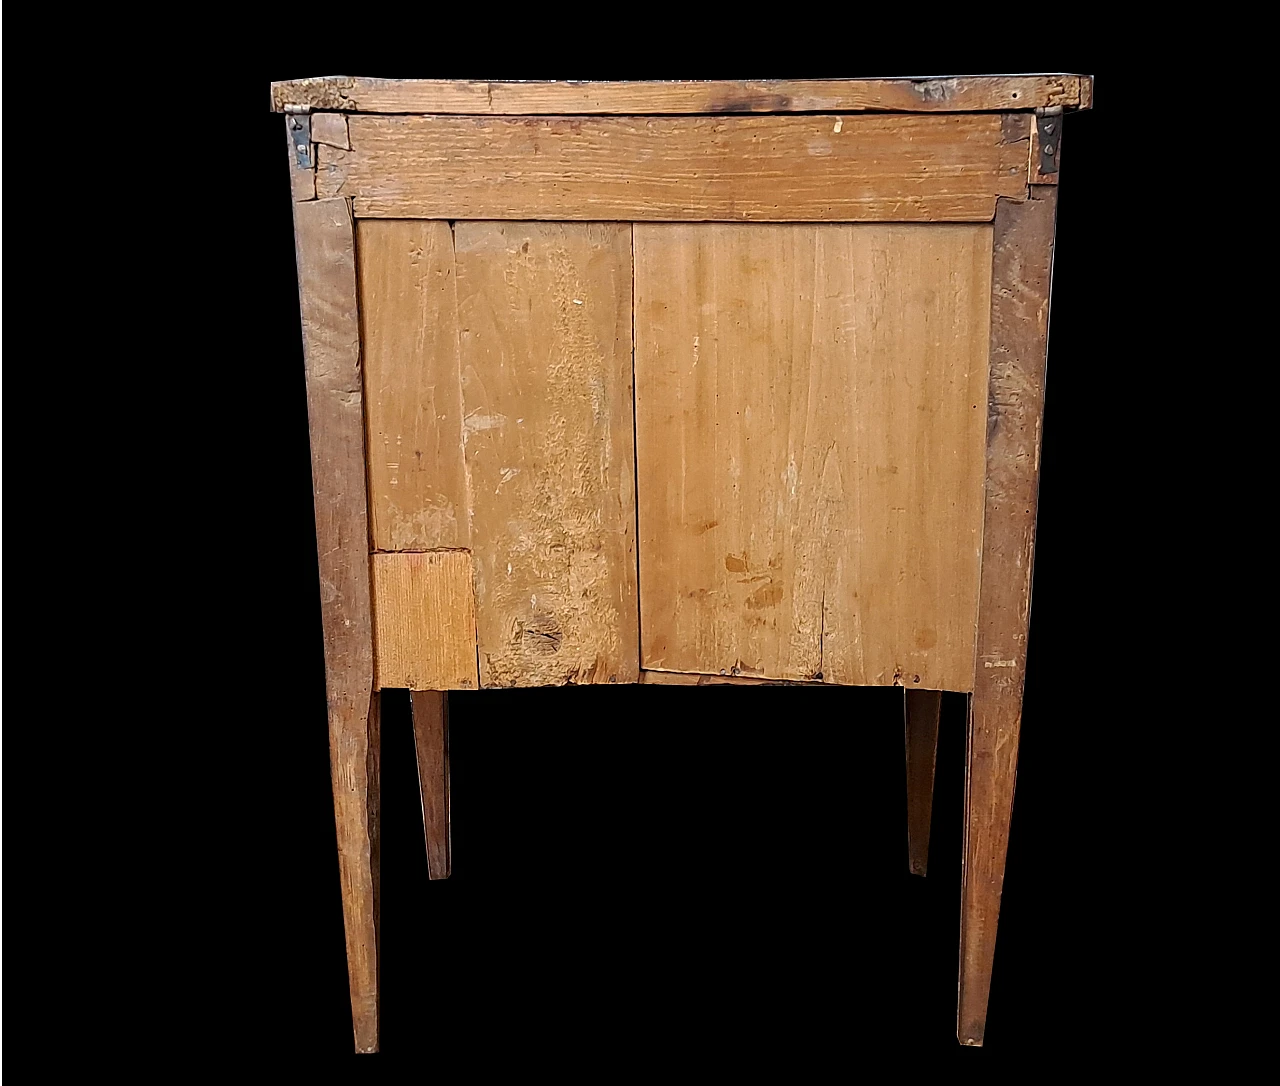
(955, 94)
(1022, 264)
(810, 440)
(325, 240)
(424, 621)
(545, 318)
(943, 167)
(408, 301)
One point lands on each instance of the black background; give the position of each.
(640, 870)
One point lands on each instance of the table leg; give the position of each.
(325, 241)
(1022, 258)
(431, 734)
(921, 713)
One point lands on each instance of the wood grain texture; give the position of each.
(545, 332)
(325, 242)
(810, 437)
(676, 678)
(770, 169)
(959, 94)
(409, 315)
(424, 621)
(921, 713)
(1022, 263)
(301, 180)
(330, 129)
(431, 737)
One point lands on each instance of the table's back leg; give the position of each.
(921, 712)
(1022, 261)
(325, 242)
(431, 734)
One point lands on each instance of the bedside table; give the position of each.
(676, 382)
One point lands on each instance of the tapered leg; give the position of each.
(431, 733)
(1021, 261)
(354, 754)
(325, 242)
(921, 712)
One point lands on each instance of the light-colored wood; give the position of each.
(859, 168)
(810, 437)
(958, 94)
(424, 621)
(545, 331)
(301, 179)
(431, 738)
(325, 241)
(676, 678)
(330, 129)
(921, 713)
(408, 304)
(1021, 267)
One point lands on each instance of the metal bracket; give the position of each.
(300, 134)
(1049, 136)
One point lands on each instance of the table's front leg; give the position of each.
(325, 244)
(1022, 261)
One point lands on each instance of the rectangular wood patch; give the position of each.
(810, 427)
(424, 621)
(409, 320)
(803, 168)
(545, 335)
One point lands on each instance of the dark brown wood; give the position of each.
(325, 242)
(956, 94)
(921, 712)
(1021, 264)
(431, 734)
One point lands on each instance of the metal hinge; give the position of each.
(300, 133)
(1049, 136)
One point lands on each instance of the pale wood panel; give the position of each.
(324, 238)
(804, 168)
(955, 94)
(331, 129)
(1014, 402)
(810, 438)
(424, 621)
(545, 319)
(409, 307)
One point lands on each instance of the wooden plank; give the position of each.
(325, 242)
(330, 129)
(431, 736)
(545, 319)
(810, 168)
(921, 713)
(810, 438)
(1022, 261)
(956, 94)
(424, 621)
(409, 316)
